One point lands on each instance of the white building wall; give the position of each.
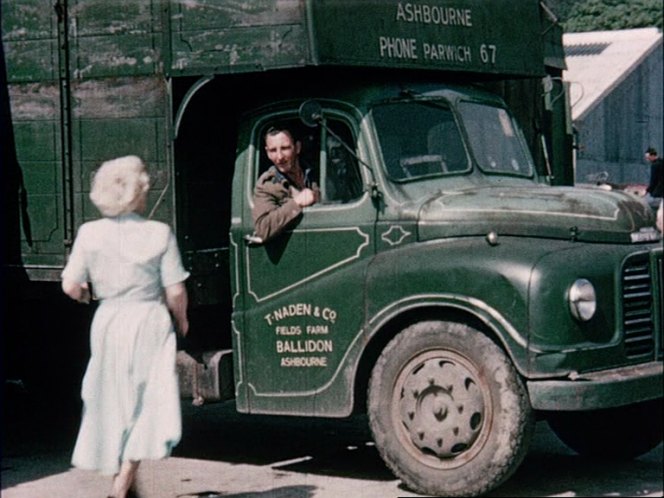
(614, 134)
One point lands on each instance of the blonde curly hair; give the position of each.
(120, 186)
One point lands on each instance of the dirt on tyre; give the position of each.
(449, 413)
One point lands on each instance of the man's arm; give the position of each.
(273, 210)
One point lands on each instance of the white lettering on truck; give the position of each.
(398, 48)
(300, 309)
(433, 14)
(449, 53)
(305, 346)
(296, 352)
(395, 47)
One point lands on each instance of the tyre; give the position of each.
(449, 413)
(616, 433)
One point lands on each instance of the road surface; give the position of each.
(227, 454)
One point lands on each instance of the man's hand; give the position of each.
(304, 197)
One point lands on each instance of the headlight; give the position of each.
(582, 300)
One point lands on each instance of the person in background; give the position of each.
(285, 188)
(131, 403)
(656, 184)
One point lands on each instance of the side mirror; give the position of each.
(311, 113)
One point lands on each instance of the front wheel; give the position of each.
(449, 413)
(616, 433)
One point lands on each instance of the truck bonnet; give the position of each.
(590, 215)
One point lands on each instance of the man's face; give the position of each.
(650, 157)
(282, 151)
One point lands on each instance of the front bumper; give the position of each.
(597, 390)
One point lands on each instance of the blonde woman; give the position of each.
(131, 404)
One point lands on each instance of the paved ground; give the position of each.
(231, 455)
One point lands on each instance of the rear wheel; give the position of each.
(619, 433)
(448, 411)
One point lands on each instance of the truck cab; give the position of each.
(440, 282)
(403, 169)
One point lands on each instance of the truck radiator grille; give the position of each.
(637, 296)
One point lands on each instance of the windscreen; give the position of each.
(495, 140)
(419, 139)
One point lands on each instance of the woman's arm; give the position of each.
(177, 300)
(78, 292)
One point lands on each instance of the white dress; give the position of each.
(131, 403)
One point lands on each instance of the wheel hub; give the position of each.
(441, 406)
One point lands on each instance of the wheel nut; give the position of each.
(439, 409)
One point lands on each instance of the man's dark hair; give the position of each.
(276, 129)
(651, 151)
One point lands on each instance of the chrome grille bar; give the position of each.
(637, 300)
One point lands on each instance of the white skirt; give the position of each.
(131, 401)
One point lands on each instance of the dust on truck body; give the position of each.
(443, 283)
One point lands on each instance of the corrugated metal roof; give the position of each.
(597, 61)
(583, 49)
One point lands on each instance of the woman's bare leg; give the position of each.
(124, 479)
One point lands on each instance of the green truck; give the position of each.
(451, 283)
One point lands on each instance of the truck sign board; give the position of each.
(477, 36)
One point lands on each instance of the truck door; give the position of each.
(299, 303)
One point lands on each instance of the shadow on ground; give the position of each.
(39, 431)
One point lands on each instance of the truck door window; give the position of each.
(495, 140)
(419, 139)
(332, 166)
